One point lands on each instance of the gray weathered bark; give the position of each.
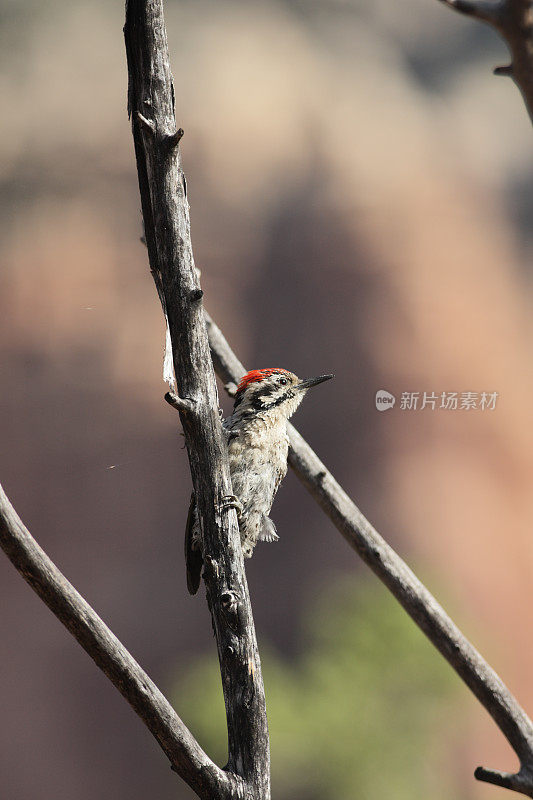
(165, 212)
(166, 222)
(405, 586)
(186, 756)
(513, 19)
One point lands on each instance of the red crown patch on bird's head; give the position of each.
(274, 388)
(256, 375)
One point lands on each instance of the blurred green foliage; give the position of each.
(356, 714)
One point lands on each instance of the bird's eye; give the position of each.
(282, 381)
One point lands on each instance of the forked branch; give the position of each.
(165, 212)
(186, 756)
(513, 21)
(167, 233)
(405, 586)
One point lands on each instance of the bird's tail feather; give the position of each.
(193, 554)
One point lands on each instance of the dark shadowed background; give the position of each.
(361, 203)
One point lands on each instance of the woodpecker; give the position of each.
(258, 446)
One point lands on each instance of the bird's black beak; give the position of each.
(308, 382)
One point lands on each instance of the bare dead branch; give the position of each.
(231, 388)
(179, 403)
(521, 782)
(186, 756)
(173, 140)
(505, 71)
(485, 10)
(405, 586)
(167, 232)
(512, 20)
(147, 124)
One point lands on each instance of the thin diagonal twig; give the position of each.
(405, 586)
(512, 19)
(186, 756)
